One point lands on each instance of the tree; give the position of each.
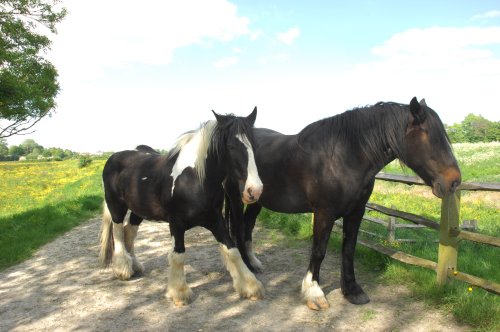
(4, 149)
(476, 128)
(28, 82)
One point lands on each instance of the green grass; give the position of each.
(42, 200)
(477, 308)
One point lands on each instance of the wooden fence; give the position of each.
(449, 233)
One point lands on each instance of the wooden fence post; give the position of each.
(391, 228)
(447, 255)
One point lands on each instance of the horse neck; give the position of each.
(378, 135)
(214, 169)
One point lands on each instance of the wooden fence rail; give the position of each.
(449, 233)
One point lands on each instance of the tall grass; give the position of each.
(477, 308)
(41, 200)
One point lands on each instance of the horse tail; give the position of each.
(106, 238)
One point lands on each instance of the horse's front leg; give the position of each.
(311, 292)
(177, 287)
(244, 281)
(238, 227)
(350, 288)
(250, 216)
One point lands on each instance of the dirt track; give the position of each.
(62, 289)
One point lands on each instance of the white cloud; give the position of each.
(455, 69)
(486, 15)
(116, 33)
(226, 62)
(289, 36)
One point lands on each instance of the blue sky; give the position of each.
(145, 72)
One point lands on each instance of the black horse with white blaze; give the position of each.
(184, 189)
(329, 168)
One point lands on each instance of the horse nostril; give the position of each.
(249, 191)
(454, 186)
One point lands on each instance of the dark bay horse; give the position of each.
(329, 169)
(184, 189)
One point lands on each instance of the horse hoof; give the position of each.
(181, 296)
(254, 290)
(360, 298)
(318, 304)
(137, 267)
(180, 303)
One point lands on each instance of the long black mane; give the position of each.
(375, 130)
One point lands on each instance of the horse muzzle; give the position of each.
(446, 183)
(251, 194)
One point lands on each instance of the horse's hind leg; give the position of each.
(113, 251)
(130, 230)
(114, 214)
(244, 281)
(177, 288)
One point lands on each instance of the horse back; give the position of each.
(135, 178)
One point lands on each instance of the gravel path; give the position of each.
(62, 289)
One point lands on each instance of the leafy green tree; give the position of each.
(16, 151)
(29, 146)
(455, 132)
(4, 149)
(28, 81)
(475, 128)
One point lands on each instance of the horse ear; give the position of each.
(220, 118)
(417, 111)
(422, 102)
(251, 118)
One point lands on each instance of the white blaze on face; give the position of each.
(187, 158)
(253, 181)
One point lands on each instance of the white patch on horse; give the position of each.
(193, 151)
(253, 180)
(187, 158)
(144, 178)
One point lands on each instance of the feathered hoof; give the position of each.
(253, 290)
(180, 297)
(123, 267)
(319, 303)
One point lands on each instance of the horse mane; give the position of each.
(371, 129)
(211, 137)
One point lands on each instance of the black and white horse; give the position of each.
(183, 188)
(329, 168)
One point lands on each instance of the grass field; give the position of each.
(41, 200)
